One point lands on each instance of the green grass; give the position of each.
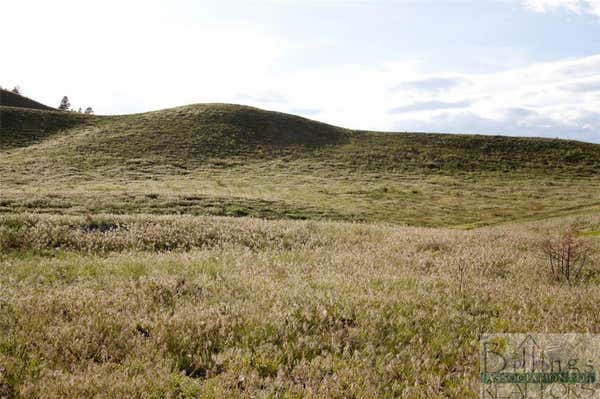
(589, 234)
(217, 159)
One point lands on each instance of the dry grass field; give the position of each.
(187, 307)
(216, 251)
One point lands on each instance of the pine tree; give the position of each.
(64, 104)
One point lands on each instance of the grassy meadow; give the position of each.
(216, 251)
(227, 160)
(210, 307)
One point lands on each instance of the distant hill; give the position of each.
(193, 134)
(271, 164)
(190, 132)
(10, 99)
(20, 127)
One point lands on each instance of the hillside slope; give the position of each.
(238, 160)
(10, 99)
(21, 127)
(197, 132)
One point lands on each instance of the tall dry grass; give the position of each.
(121, 306)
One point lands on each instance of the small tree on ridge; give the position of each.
(64, 104)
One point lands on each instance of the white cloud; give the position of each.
(555, 99)
(575, 6)
(546, 99)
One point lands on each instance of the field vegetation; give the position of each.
(186, 307)
(215, 250)
(229, 160)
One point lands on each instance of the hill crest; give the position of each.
(223, 159)
(191, 135)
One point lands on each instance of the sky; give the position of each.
(513, 67)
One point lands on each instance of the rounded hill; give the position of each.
(243, 124)
(222, 159)
(191, 135)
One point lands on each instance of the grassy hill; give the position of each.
(10, 99)
(219, 159)
(117, 281)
